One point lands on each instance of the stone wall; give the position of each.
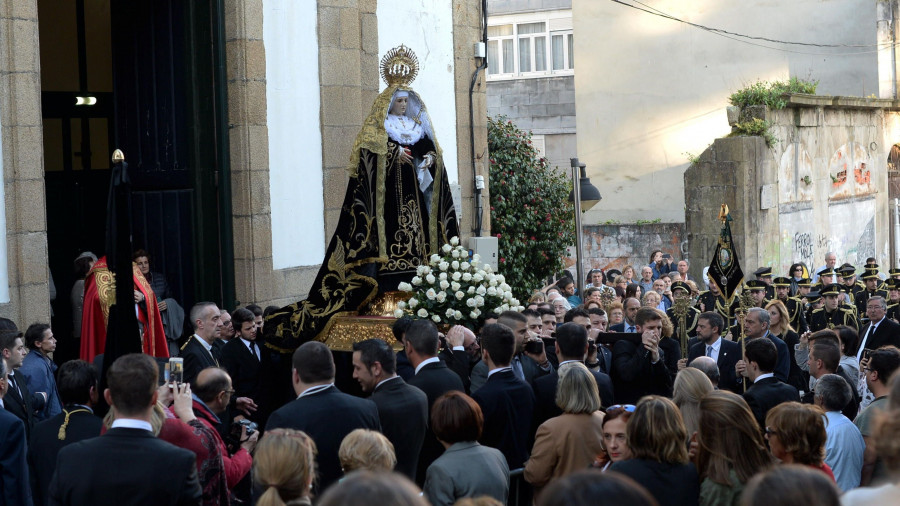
(822, 187)
(615, 246)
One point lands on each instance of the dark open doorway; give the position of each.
(141, 76)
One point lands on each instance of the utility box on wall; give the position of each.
(487, 248)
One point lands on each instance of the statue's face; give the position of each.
(399, 107)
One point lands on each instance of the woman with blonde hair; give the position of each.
(656, 436)
(780, 326)
(690, 387)
(366, 449)
(616, 312)
(284, 467)
(571, 441)
(651, 299)
(796, 435)
(730, 448)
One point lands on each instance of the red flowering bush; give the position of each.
(530, 210)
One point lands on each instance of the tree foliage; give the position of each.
(530, 209)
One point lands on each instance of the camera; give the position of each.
(535, 347)
(236, 428)
(592, 347)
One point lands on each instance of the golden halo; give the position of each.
(399, 66)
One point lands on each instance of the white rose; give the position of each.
(477, 277)
(481, 290)
(508, 296)
(504, 286)
(416, 280)
(413, 303)
(429, 278)
(456, 276)
(515, 301)
(471, 303)
(450, 312)
(490, 277)
(398, 313)
(443, 266)
(426, 270)
(436, 319)
(500, 278)
(476, 257)
(435, 258)
(401, 305)
(422, 313)
(455, 286)
(471, 290)
(444, 284)
(442, 276)
(491, 291)
(479, 300)
(420, 270)
(441, 297)
(493, 282)
(431, 294)
(498, 309)
(454, 264)
(464, 266)
(404, 287)
(473, 314)
(466, 277)
(459, 295)
(458, 315)
(446, 248)
(488, 268)
(454, 240)
(454, 254)
(504, 307)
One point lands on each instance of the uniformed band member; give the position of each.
(850, 285)
(871, 280)
(764, 274)
(713, 300)
(893, 300)
(894, 272)
(681, 289)
(804, 286)
(831, 314)
(794, 305)
(813, 302)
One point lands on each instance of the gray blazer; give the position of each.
(467, 470)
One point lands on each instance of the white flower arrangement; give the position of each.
(455, 289)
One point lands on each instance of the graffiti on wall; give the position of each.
(850, 173)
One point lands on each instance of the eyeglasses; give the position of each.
(771, 432)
(625, 407)
(229, 392)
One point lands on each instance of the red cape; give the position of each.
(99, 294)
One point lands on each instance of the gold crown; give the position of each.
(399, 66)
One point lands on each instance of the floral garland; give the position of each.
(454, 289)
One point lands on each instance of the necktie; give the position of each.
(15, 385)
(253, 349)
(709, 351)
(869, 334)
(629, 328)
(517, 369)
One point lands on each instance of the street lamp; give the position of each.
(585, 196)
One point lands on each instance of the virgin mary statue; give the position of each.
(397, 211)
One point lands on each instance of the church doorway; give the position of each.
(146, 77)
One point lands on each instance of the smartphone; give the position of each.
(667, 256)
(866, 353)
(592, 347)
(534, 347)
(176, 370)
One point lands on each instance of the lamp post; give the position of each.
(585, 196)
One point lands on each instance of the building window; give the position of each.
(530, 46)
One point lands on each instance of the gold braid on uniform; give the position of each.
(62, 428)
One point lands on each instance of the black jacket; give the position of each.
(250, 377)
(327, 417)
(508, 407)
(767, 393)
(887, 332)
(729, 354)
(634, 376)
(125, 467)
(403, 413)
(545, 395)
(435, 379)
(196, 358)
(44, 446)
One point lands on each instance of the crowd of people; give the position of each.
(642, 389)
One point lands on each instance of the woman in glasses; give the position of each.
(657, 436)
(796, 435)
(615, 442)
(571, 441)
(730, 448)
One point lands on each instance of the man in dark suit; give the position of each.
(432, 377)
(19, 399)
(13, 468)
(404, 369)
(77, 383)
(506, 401)
(322, 411)
(525, 365)
(641, 370)
(599, 357)
(402, 409)
(760, 357)
(710, 344)
(128, 464)
(756, 326)
(571, 346)
(880, 331)
(455, 354)
(247, 362)
(628, 325)
(198, 352)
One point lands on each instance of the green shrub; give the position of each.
(771, 93)
(530, 209)
(755, 127)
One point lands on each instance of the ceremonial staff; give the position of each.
(725, 270)
(680, 309)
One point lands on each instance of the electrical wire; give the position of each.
(738, 37)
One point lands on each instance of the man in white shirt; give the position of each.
(844, 445)
(830, 262)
